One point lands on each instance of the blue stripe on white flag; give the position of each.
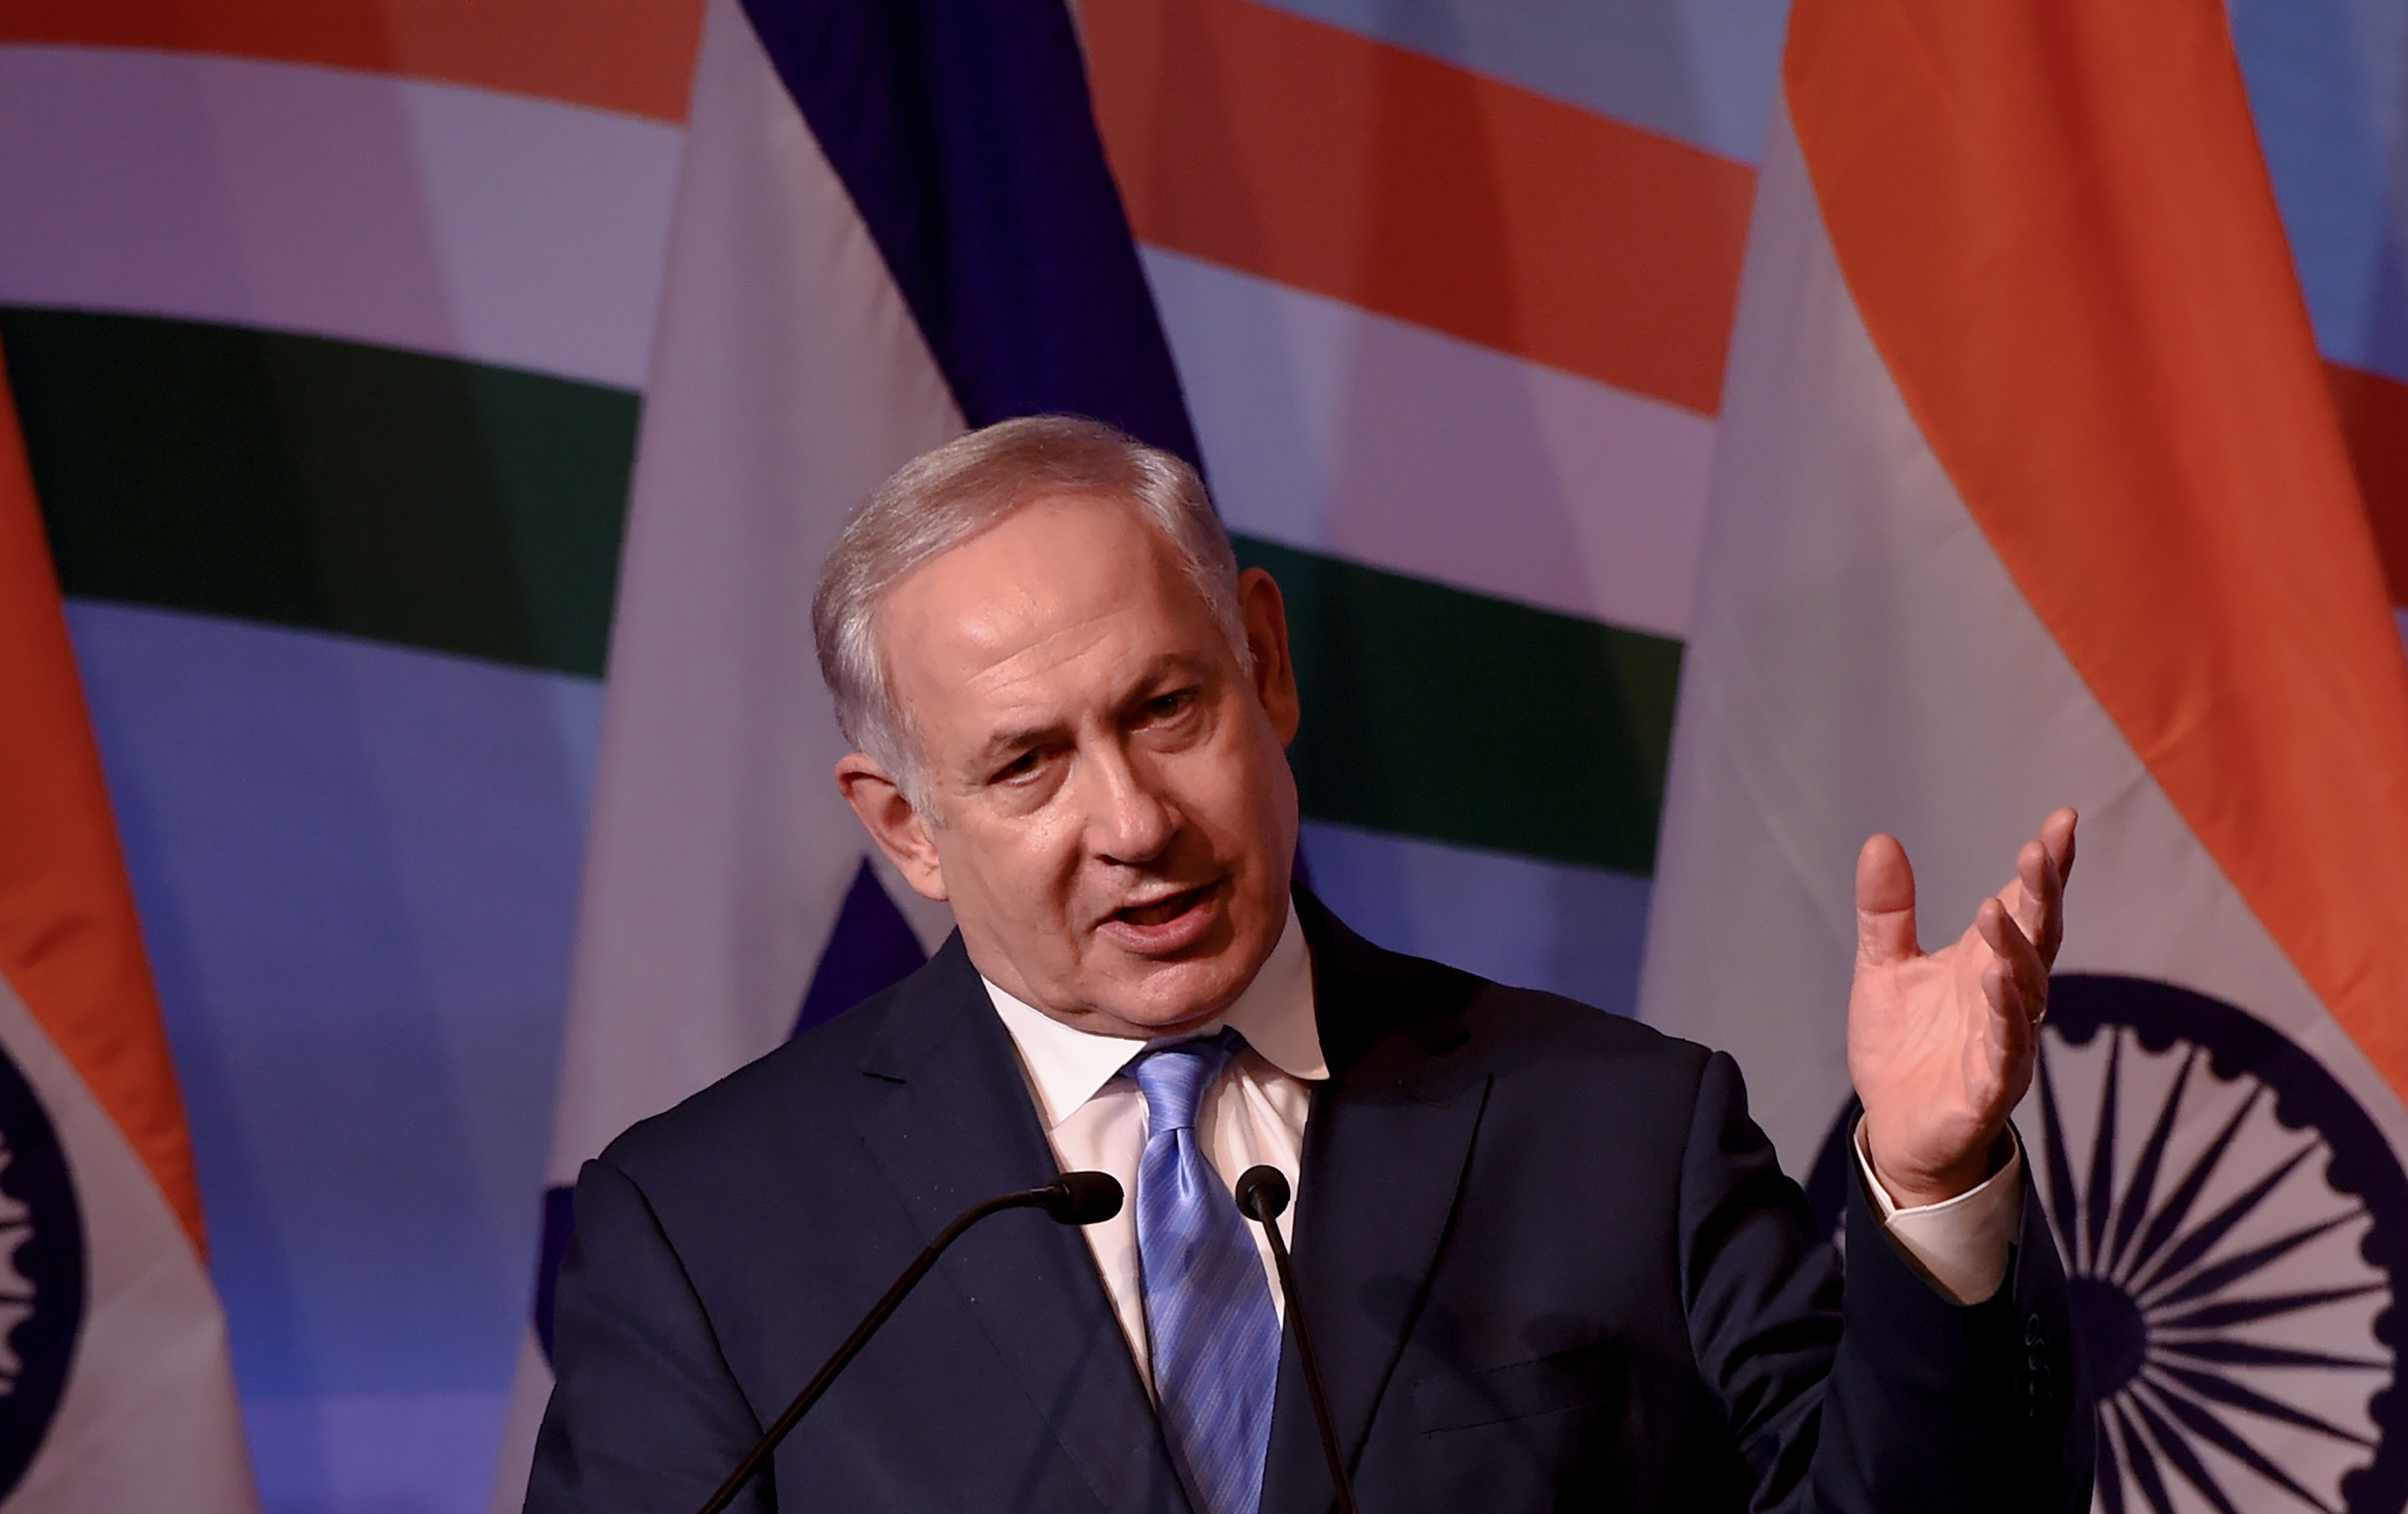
(871, 948)
(963, 131)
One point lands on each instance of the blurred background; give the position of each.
(329, 324)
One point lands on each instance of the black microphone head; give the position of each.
(1083, 1198)
(1262, 1193)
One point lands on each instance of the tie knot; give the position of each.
(1173, 1077)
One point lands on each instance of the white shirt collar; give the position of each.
(1067, 1066)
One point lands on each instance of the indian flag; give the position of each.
(2028, 489)
(115, 1387)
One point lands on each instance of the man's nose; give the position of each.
(1129, 820)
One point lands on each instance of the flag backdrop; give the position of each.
(333, 328)
(115, 1387)
(2029, 491)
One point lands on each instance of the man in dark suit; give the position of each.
(1547, 1258)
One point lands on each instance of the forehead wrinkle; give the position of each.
(1058, 648)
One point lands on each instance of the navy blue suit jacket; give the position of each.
(1547, 1258)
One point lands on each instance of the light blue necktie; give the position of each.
(1216, 1337)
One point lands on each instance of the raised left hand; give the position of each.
(1942, 1044)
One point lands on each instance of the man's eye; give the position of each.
(1170, 706)
(1019, 767)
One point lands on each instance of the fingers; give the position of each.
(2056, 833)
(2037, 900)
(2018, 988)
(1885, 902)
(2006, 1011)
(2038, 910)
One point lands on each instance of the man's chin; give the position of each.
(1170, 998)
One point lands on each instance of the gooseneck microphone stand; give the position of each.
(1075, 1198)
(1262, 1197)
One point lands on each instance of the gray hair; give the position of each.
(962, 488)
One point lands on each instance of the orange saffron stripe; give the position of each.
(69, 941)
(2057, 222)
(633, 56)
(1299, 152)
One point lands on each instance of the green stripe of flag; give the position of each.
(1434, 712)
(471, 509)
(325, 484)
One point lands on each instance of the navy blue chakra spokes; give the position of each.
(42, 1273)
(2235, 1229)
(2220, 1283)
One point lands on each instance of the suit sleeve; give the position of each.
(1882, 1394)
(645, 1417)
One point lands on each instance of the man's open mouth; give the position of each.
(1162, 911)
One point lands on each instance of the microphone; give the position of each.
(1262, 1197)
(1075, 1198)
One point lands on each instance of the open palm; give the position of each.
(1940, 1043)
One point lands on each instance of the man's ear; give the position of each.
(1265, 614)
(892, 823)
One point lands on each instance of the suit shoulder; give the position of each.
(1553, 1015)
(1377, 987)
(1504, 1012)
(1518, 1034)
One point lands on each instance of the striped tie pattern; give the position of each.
(1216, 1334)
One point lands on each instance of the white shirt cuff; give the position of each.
(1959, 1246)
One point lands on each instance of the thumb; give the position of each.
(1885, 902)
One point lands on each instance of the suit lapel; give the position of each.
(1385, 1154)
(957, 1127)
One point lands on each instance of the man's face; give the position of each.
(1109, 808)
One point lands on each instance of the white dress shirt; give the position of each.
(1255, 1112)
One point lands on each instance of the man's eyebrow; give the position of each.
(1170, 664)
(1168, 667)
(1018, 737)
